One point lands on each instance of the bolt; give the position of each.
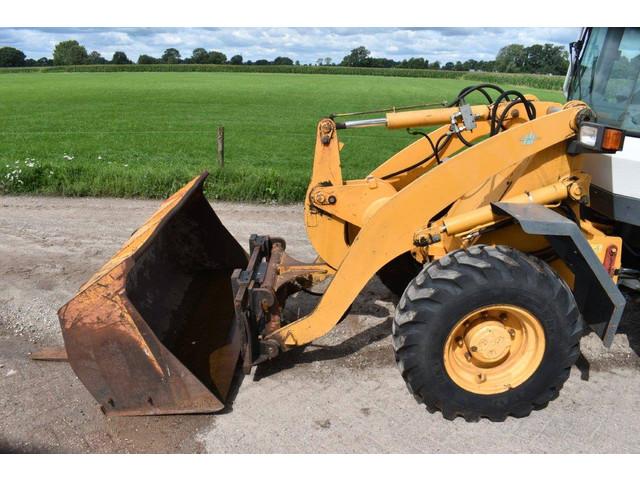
(467, 355)
(512, 333)
(474, 348)
(503, 316)
(459, 341)
(332, 200)
(481, 377)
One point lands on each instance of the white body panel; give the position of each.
(618, 173)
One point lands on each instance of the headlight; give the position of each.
(588, 135)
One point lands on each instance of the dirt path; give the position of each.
(343, 394)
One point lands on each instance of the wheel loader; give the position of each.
(505, 230)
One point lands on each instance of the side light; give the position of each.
(612, 139)
(600, 138)
(588, 135)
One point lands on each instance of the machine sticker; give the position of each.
(529, 138)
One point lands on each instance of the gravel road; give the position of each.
(342, 394)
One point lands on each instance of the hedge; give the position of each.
(549, 82)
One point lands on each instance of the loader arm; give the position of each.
(335, 209)
(389, 232)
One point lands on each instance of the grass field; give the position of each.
(145, 134)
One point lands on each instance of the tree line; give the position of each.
(514, 58)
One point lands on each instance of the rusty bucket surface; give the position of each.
(153, 331)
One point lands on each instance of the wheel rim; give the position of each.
(494, 349)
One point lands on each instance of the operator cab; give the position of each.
(604, 71)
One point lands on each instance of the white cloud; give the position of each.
(304, 44)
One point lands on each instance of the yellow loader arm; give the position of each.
(389, 232)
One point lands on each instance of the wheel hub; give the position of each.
(488, 342)
(494, 349)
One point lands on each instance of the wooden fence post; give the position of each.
(220, 141)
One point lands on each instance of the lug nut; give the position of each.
(459, 341)
(512, 333)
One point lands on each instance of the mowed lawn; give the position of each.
(146, 134)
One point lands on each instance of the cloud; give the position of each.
(304, 44)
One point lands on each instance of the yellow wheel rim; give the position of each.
(494, 349)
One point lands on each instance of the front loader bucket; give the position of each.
(154, 331)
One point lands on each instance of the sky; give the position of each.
(303, 44)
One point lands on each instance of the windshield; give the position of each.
(606, 76)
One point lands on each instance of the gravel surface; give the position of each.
(341, 394)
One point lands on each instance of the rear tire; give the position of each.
(488, 290)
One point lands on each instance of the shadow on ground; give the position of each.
(368, 322)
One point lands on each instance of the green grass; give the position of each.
(145, 134)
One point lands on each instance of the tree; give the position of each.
(95, 58)
(414, 63)
(319, 62)
(486, 66)
(282, 61)
(379, 62)
(470, 64)
(199, 55)
(147, 60)
(511, 59)
(546, 58)
(69, 52)
(217, 58)
(448, 66)
(236, 60)
(262, 61)
(44, 62)
(11, 57)
(327, 60)
(434, 65)
(357, 57)
(171, 55)
(120, 58)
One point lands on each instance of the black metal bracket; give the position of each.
(255, 299)
(598, 297)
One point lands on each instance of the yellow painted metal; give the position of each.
(483, 215)
(350, 202)
(434, 116)
(328, 225)
(389, 232)
(494, 349)
(421, 148)
(440, 116)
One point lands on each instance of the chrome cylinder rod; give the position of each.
(369, 122)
